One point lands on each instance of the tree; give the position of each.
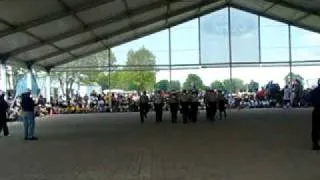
(292, 76)
(192, 81)
(217, 85)
(233, 85)
(175, 85)
(163, 85)
(141, 72)
(69, 78)
(253, 86)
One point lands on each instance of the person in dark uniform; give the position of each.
(144, 106)
(212, 105)
(3, 115)
(206, 102)
(158, 106)
(189, 100)
(184, 106)
(174, 106)
(194, 106)
(222, 105)
(315, 100)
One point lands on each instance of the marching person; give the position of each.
(3, 114)
(315, 100)
(212, 104)
(28, 107)
(222, 105)
(174, 106)
(194, 106)
(158, 106)
(144, 106)
(206, 102)
(184, 106)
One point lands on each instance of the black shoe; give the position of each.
(316, 147)
(34, 139)
(26, 139)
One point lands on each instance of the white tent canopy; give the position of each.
(48, 33)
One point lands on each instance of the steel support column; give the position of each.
(109, 70)
(199, 39)
(230, 43)
(48, 87)
(3, 72)
(170, 62)
(259, 38)
(290, 53)
(3, 77)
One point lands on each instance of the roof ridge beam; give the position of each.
(52, 17)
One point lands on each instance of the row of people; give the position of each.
(187, 102)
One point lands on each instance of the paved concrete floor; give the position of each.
(250, 145)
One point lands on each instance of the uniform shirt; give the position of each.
(144, 99)
(158, 99)
(173, 98)
(212, 98)
(184, 98)
(206, 98)
(195, 98)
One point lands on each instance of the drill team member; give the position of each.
(174, 106)
(222, 105)
(206, 102)
(194, 106)
(315, 99)
(184, 106)
(158, 106)
(212, 101)
(144, 106)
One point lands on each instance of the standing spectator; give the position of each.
(28, 106)
(3, 114)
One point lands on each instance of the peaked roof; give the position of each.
(54, 32)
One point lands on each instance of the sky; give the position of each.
(212, 46)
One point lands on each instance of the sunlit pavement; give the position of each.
(250, 145)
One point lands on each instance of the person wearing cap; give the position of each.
(194, 106)
(174, 106)
(212, 105)
(3, 114)
(144, 106)
(158, 106)
(206, 102)
(315, 100)
(184, 106)
(221, 105)
(28, 107)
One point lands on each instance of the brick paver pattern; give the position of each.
(249, 145)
